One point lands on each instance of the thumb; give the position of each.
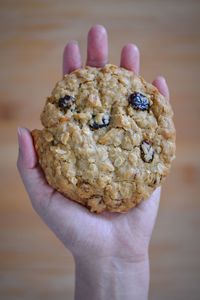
(36, 186)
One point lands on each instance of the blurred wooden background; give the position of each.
(33, 263)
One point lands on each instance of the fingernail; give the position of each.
(165, 80)
(98, 27)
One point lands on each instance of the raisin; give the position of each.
(105, 122)
(139, 101)
(147, 152)
(66, 102)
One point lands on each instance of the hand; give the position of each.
(119, 240)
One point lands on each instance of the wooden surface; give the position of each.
(33, 263)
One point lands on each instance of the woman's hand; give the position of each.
(110, 249)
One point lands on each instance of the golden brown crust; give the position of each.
(100, 150)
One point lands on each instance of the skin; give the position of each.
(110, 250)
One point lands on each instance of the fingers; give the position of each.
(97, 48)
(71, 57)
(32, 176)
(130, 58)
(97, 51)
(162, 86)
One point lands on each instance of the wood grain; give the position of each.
(34, 264)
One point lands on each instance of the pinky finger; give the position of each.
(162, 86)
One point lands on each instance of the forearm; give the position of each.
(110, 278)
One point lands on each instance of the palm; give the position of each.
(99, 234)
(125, 234)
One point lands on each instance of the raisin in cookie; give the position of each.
(108, 139)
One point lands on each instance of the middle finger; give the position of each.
(97, 48)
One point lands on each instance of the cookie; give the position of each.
(108, 139)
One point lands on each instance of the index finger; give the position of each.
(71, 57)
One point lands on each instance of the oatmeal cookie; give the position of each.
(108, 139)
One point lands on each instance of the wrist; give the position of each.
(111, 278)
